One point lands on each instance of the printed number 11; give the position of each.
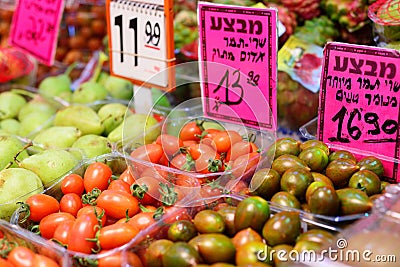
(132, 25)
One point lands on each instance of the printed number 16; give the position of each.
(132, 25)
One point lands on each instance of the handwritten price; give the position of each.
(354, 118)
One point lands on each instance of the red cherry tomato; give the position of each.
(238, 149)
(191, 131)
(146, 189)
(189, 142)
(225, 139)
(141, 220)
(116, 235)
(117, 259)
(41, 205)
(210, 133)
(209, 162)
(97, 211)
(197, 150)
(83, 229)
(62, 232)
(150, 152)
(48, 224)
(182, 162)
(44, 261)
(72, 183)
(5, 263)
(127, 176)
(21, 257)
(183, 180)
(119, 185)
(242, 164)
(169, 143)
(71, 203)
(118, 204)
(97, 175)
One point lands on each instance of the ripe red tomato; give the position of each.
(210, 133)
(209, 162)
(72, 183)
(62, 232)
(140, 221)
(169, 143)
(197, 150)
(147, 190)
(5, 263)
(224, 140)
(71, 203)
(127, 176)
(118, 204)
(189, 142)
(242, 164)
(183, 180)
(119, 185)
(182, 162)
(48, 224)
(97, 211)
(21, 257)
(41, 205)
(117, 259)
(97, 175)
(83, 229)
(43, 261)
(149, 152)
(238, 149)
(191, 131)
(116, 235)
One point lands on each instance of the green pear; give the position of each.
(10, 147)
(10, 105)
(57, 137)
(35, 106)
(57, 86)
(139, 127)
(10, 125)
(89, 92)
(93, 145)
(81, 117)
(34, 122)
(50, 164)
(159, 98)
(17, 184)
(112, 115)
(119, 88)
(103, 76)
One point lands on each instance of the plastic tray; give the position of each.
(117, 163)
(21, 237)
(263, 140)
(159, 230)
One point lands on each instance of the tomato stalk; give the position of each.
(24, 208)
(168, 194)
(214, 165)
(6, 247)
(91, 197)
(139, 190)
(85, 262)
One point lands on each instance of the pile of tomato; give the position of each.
(99, 211)
(199, 151)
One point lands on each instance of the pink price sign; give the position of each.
(35, 27)
(238, 55)
(360, 102)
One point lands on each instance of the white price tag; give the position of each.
(138, 41)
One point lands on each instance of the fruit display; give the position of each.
(98, 207)
(228, 233)
(311, 177)
(194, 152)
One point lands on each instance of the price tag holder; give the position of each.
(360, 102)
(141, 41)
(35, 26)
(238, 68)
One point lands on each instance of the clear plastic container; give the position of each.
(160, 229)
(21, 237)
(227, 178)
(118, 164)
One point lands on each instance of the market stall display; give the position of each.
(171, 187)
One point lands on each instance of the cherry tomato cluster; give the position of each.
(99, 211)
(14, 255)
(200, 150)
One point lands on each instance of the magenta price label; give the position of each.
(35, 27)
(238, 54)
(360, 102)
